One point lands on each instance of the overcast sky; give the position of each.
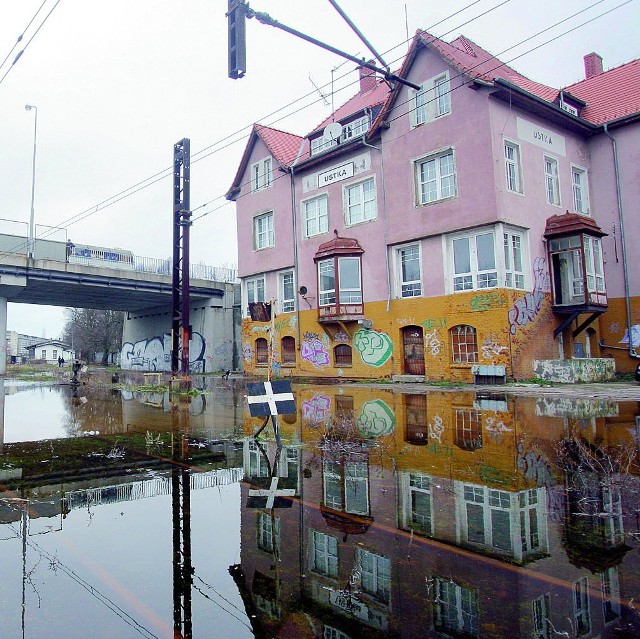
(118, 82)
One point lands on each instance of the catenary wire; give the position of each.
(22, 34)
(498, 65)
(239, 134)
(199, 155)
(29, 41)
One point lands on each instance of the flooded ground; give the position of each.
(385, 513)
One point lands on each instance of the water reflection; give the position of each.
(446, 514)
(384, 514)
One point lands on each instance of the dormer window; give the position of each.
(350, 130)
(570, 103)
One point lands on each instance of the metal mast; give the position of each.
(181, 327)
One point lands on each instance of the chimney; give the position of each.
(367, 79)
(592, 65)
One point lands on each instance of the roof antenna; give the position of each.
(322, 95)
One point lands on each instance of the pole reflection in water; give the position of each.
(181, 517)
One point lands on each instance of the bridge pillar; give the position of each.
(3, 335)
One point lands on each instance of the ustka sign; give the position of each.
(335, 174)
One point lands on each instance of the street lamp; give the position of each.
(28, 107)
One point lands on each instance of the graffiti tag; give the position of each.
(374, 348)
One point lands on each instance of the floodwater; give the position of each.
(383, 514)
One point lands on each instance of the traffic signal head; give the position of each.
(237, 43)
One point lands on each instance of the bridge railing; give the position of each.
(196, 271)
(156, 266)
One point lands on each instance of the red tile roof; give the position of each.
(610, 95)
(477, 63)
(283, 146)
(358, 103)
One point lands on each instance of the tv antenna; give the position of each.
(319, 92)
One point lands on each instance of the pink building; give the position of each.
(479, 228)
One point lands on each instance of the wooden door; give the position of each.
(413, 349)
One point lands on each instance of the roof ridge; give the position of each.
(599, 75)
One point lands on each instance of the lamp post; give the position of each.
(28, 107)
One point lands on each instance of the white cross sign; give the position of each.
(271, 493)
(270, 398)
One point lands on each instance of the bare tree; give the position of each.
(91, 331)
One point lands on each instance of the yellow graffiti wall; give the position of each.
(511, 329)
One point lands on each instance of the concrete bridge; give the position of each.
(84, 276)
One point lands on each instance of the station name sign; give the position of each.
(541, 137)
(336, 174)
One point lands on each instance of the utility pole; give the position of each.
(181, 328)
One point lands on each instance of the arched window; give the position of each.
(262, 351)
(464, 344)
(342, 355)
(288, 349)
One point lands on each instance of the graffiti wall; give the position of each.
(154, 354)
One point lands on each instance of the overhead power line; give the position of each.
(19, 55)
(234, 137)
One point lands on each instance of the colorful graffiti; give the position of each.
(376, 419)
(154, 354)
(314, 351)
(316, 409)
(525, 309)
(341, 337)
(374, 348)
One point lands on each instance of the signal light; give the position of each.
(237, 40)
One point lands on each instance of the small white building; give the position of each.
(50, 351)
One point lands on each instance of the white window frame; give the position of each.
(581, 607)
(580, 190)
(431, 101)
(475, 278)
(513, 166)
(445, 182)
(355, 129)
(261, 174)
(287, 301)
(540, 613)
(253, 290)
(417, 486)
(552, 180)
(268, 537)
(442, 94)
(341, 483)
(408, 288)
(344, 294)
(324, 553)
(263, 232)
(456, 608)
(507, 271)
(524, 511)
(366, 195)
(375, 571)
(514, 252)
(312, 213)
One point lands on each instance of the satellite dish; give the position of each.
(332, 131)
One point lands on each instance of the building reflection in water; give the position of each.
(442, 514)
